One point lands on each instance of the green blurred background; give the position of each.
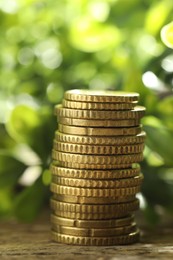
(47, 47)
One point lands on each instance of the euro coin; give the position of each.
(98, 123)
(84, 183)
(100, 140)
(98, 149)
(94, 209)
(91, 192)
(119, 222)
(88, 166)
(96, 159)
(57, 170)
(92, 200)
(136, 113)
(92, 216)
(100, 131)
(98, 106)
(84, 95)
(96, 241)
(94, 232)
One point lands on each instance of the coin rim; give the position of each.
(94, 140)
(98, 106)
(106, 241)
(97, 149)
(119, 222)
(55, 168)
(83, 192)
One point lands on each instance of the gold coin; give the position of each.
(97, 106)
(98, 123)
(96, 159)
(84, 183)
(83, 192)
(94, 174)
(87, 166)
(98, 149)
(94, 209)
(92, 216)
(96, 131)
(94, 232)
(96, 241)
(136, 113)
(98, 140)
(84, 95)
(90, 200)
(79, 223)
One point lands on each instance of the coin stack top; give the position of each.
(95, 169)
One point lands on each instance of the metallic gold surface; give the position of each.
(83, 192)
(98, 123)
(96, 241)
(94, 209)
(97, 149)
(93, 200)
(97, 106)
(100, 140)
(91, 216)
(94, 174)
(84, 183)
(101, 96)
(125, 221)
(136, 113)
(96, 131)
(88, 166)
(96, 159)
(94, 232)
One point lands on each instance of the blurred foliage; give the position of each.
(50, 46)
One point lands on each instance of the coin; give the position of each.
(96, 241)
(83, 192)
(96, 131)
(97, 106)
(88, 166)
(84, 183)
(136, 113)
(94, 232)
(97, 149)
(120, 222)
(90, 200)
(84, 95)
(94, 174)
(92, 216)
(96, 159)
(100, 140)
(98, 123)
(94, 209)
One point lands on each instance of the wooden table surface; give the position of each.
(33, 241)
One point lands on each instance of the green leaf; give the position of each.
(165, 110)
(6, 201)
(22, 123)
(6, 142)
(151, 215)
(90, 36)
(160, 140)
(158, 12)
(33, 127)
(156, 190)
(29, 202)
(10, 170)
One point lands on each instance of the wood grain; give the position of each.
(33, 241)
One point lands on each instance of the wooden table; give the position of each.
(33, 241)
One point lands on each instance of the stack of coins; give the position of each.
(95, 170)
